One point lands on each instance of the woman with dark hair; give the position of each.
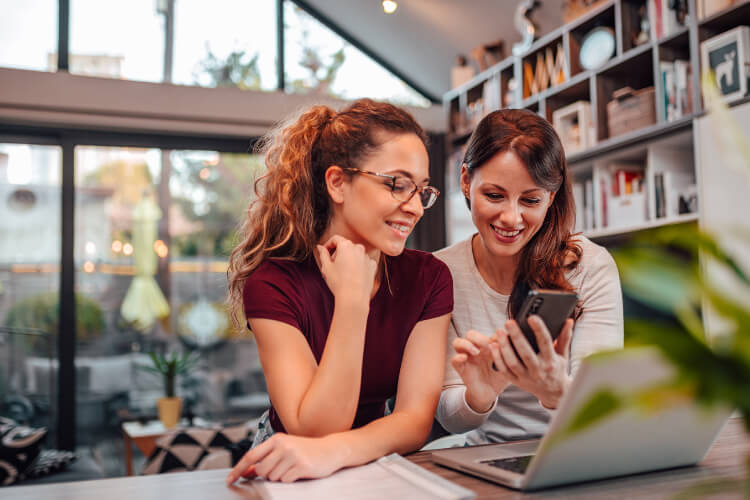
(344, 317)
(516, 183)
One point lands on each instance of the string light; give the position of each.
(389, 6)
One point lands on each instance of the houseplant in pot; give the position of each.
(169, 366)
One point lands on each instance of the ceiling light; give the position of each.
(389, 6)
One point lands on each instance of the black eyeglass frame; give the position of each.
(435, 192)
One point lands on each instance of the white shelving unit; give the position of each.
(663, 149)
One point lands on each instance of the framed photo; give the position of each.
(574, 126)
(728, 56)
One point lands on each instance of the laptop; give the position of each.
(628, 441)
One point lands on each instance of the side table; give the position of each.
(144, 437)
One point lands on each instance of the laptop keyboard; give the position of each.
(513, 464)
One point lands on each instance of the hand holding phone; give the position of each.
(552, 306)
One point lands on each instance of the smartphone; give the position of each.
(553, 306)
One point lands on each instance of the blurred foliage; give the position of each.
(666, 270)
(322, 68)
(128, 179)
(169, 366)
(216, 196)
(43, 311)
(236, 70)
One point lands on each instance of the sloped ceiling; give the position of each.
(422, 38)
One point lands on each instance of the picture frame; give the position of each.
(728, 56)
(574, 126)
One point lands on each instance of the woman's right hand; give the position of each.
(473, 362)
(347, 269)
(288, 458)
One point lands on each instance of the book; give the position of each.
(392, 476)
(579, 198)
(588, 203)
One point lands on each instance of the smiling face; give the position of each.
(507, 207)
(364, 209)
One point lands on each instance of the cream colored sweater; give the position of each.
(517, 413)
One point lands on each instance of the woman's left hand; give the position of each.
(544, 374)
(287, 458)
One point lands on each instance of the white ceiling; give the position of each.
(422, 38)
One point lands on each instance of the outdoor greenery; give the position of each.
(322, 68)
(42, 312)
(237, 70)
(169, 366)
(215, 196)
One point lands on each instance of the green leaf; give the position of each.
(601, 405)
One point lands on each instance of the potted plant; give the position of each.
(169, 366)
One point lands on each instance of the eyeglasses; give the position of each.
(403, 188)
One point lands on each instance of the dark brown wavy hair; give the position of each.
(547, 256)
(292, 209)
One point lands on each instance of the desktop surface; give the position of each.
(722, 474)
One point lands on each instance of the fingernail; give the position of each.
(475, 351)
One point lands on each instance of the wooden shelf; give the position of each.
(643, 135)
(625, 230)
(728, 17)
(674, 37)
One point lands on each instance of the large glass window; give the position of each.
(225, 43)
(117, 39)
(317, 60)
(29, 282)
(28, 34)
(155, 225)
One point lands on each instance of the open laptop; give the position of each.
(628, 441)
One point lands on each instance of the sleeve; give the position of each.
(600, 326)
(453, 412)
(439, 291)
(270, 293)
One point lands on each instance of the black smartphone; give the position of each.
(553, 306)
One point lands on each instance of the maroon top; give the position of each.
(296, 293)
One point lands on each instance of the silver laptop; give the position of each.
(628, 441)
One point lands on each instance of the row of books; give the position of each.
(619, 201)
(583, 194)
(617, 195)
(676, 77)
(666, 17)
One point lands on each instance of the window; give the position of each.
(28, 35)
(319, 61)
(117, 39)
(190, 202)
(225, 43)
(29, 281)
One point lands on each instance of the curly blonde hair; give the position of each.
(292, 209)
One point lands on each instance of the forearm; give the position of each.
(400, 432)
(456, 415)
(330, 402)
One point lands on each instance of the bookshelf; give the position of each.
(639, 169)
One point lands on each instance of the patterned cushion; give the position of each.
(19, 447)
(49, 462)
(184, 449)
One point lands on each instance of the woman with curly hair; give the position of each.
(344, 317)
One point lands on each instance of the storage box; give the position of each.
(573, 125)
(627, 210)
(630, 110)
